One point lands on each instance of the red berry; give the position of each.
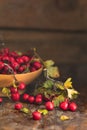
(18, 106)
(1, 65)
(36, 115)
(5, 58)
(25, 58)
(22, 86)
(32, 69)
(72, 106)
(49, 105)
(1, 100)
(31, 99)
(39, 95)
(15, 96)
(25, 97)
(13, 90)
(21, 69)
(14, 54)
(64, 105)
(38, 100)
(20, 60)
(37, 64)
(15, 65)
(12, 59)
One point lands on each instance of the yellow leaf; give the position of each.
(25, 110)
(68, 83)
(5, 91)
(43, 111)
(71, 92)
(14, 84)
(64, 117)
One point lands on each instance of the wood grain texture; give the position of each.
(49, 14)
(61, 47)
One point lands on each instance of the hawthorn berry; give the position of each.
(25, 96)
(37, 64)
(1, 99)
(13, 89)
(36, 115)
(49, 105)
(1, 65)
(15, 96)
(31, 99)
(18, 62)
(38, 100)
(18, 106)
(64, 105)
(22, 86)
(26, 58)
(72, 106)
(39, 96)
(32, 69)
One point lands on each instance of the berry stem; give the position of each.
(37, 55)
(12, 71)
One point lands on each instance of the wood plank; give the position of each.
(61, 47)
(49, 14)
(83, 10)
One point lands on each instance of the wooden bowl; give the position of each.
(7, 80)
(27, 78)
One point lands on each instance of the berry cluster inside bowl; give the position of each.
(17, 62)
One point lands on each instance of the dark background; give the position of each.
(57, 28)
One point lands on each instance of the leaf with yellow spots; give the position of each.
(64, 117)
(68, 83)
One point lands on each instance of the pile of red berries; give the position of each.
(36, 100)
(15, 62)
(48, 105)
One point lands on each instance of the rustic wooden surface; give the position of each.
(62, 47)
(49, 14)
(11, 119)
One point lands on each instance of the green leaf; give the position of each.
(57, 100)
(43, 111)
(71, 93)
(47, 94)
(48, 84)
(48, 63)
(59, 86)
(53, 72)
